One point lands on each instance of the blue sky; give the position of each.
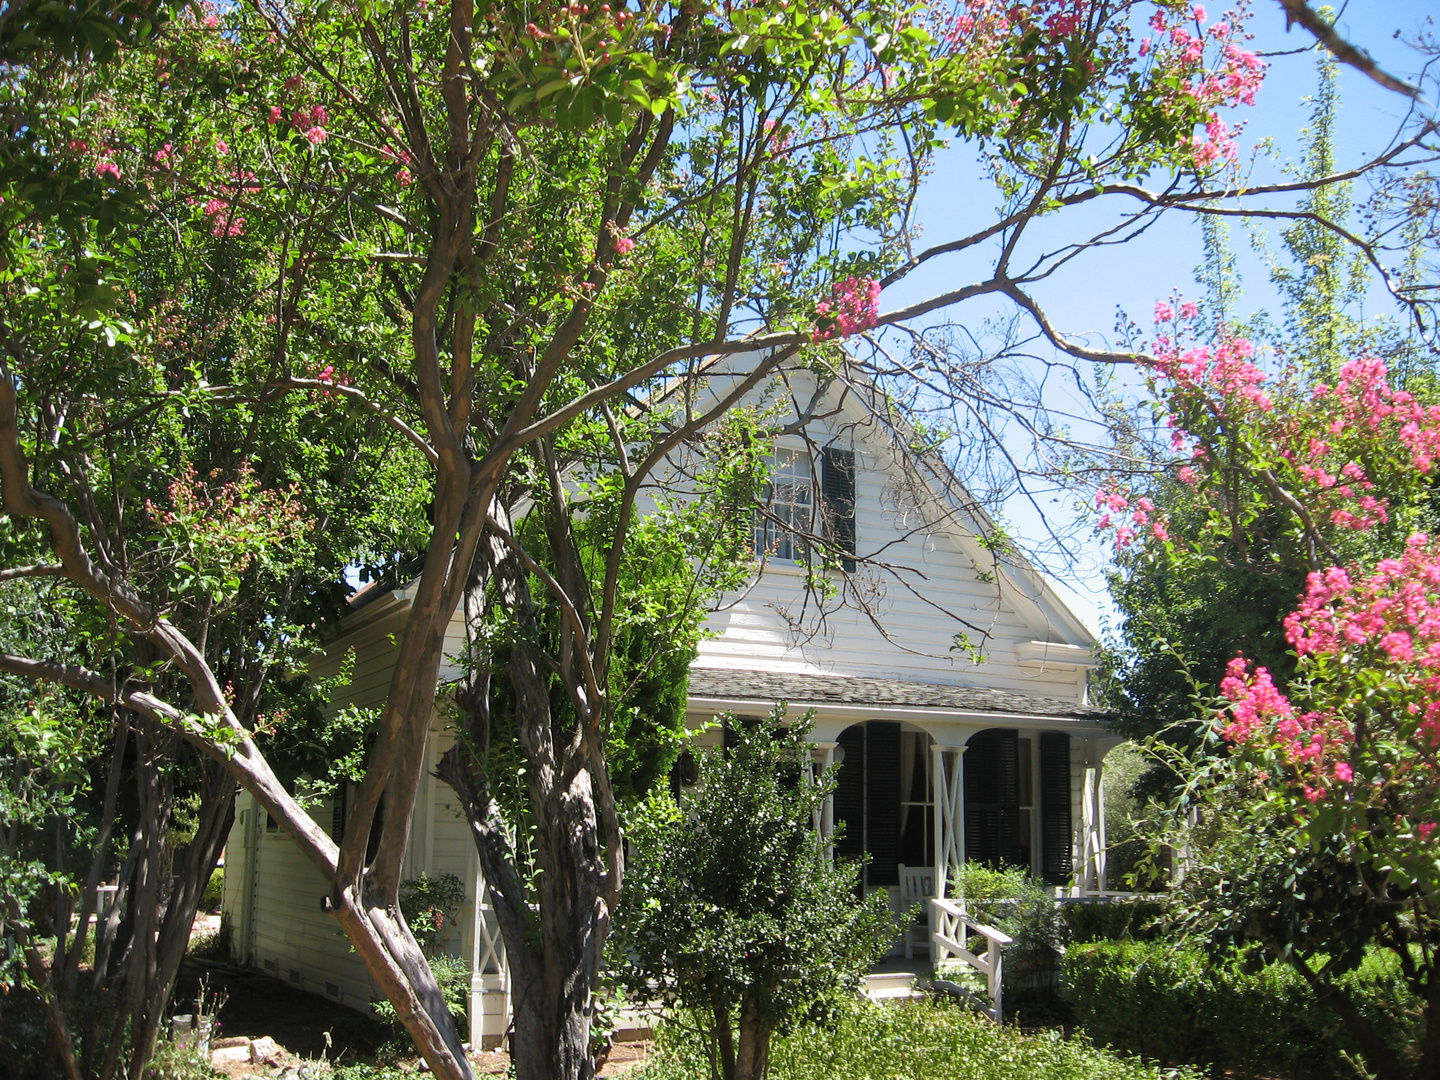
(1083, 300)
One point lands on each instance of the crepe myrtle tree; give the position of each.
(1331, 785)
(735, 913)
(512, 241)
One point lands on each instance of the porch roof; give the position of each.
(767, 687)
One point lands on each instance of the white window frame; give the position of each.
(789, 509)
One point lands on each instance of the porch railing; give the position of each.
(953, 927)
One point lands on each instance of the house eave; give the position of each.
(855, 713)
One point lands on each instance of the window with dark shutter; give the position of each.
(1056, 862)
(992, 797)
(837, 487)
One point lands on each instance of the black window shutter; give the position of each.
(837, 485)
(992, 797)
(337, 812)
(882, 802)
(1056, 863)
(850, 794)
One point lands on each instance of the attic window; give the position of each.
(790, 509)
(791, 501)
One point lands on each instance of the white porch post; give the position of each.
(822, 757)
(949, 818)
(1092, 821)
(490, 1004)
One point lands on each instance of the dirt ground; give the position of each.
(308, 1026)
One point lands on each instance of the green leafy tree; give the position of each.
(735, 912)
(393, 280)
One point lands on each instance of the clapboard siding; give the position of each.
(292, 938)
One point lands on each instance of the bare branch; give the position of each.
(1298, 11)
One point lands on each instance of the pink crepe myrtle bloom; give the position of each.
(624, 245)
(107, 170)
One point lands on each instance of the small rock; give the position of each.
(232, 1040)
(266, 1051)
(231, 1055)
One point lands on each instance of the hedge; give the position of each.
(1174, 1005)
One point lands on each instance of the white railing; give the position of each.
(953, 928)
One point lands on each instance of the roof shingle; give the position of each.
(768, 687)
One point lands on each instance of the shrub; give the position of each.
(1172, 1004)
(920, 1041)
(1136, 920)
(731, 910)
(453, 975)
(1024, 908)
(214, 891)
(431, 907)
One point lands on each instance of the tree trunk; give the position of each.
(752, 1061)
(1378, 1056)
(553, 951)
(217, 813)
(1428, 1067)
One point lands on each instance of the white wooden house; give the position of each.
(941, 758)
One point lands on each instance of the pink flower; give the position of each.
(318, 115)
(1188, 310)
(276, 114)
(1163, 312)
(1425, 829)
(316, 135)
(1343, 772)
(404, 177)
(107, 170)
(1198, 12)
(221, 146)
(624, 245)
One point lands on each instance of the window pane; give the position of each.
(790, 501)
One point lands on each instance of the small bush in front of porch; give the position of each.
(918, 1041)
(1023, 907)
(733, 910)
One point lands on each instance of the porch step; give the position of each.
(892, 986)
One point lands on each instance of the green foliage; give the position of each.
(214, 891)
(431, 907)
(1173, 1004)
(452, 973)
(175, 1062)
(922, 1041)
(1114, 920)
(1012, 901)
(732, 906)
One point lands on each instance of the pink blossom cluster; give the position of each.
(1212, 69)
(984, 23)
(1314, 744)
(309, 121)
(854, 306)
(1129, 519)
(1363, 399)
(402, 156)
(1224, 370)
(330, 377)
(224, 221)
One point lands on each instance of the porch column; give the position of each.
(949, 819)
(949, 813)
(490, 1004)
(821, 758)
(1092, 822)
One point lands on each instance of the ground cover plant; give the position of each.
(930, 1040)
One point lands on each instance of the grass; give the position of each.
(920, 1041)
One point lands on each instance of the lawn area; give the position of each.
(920, 1041)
